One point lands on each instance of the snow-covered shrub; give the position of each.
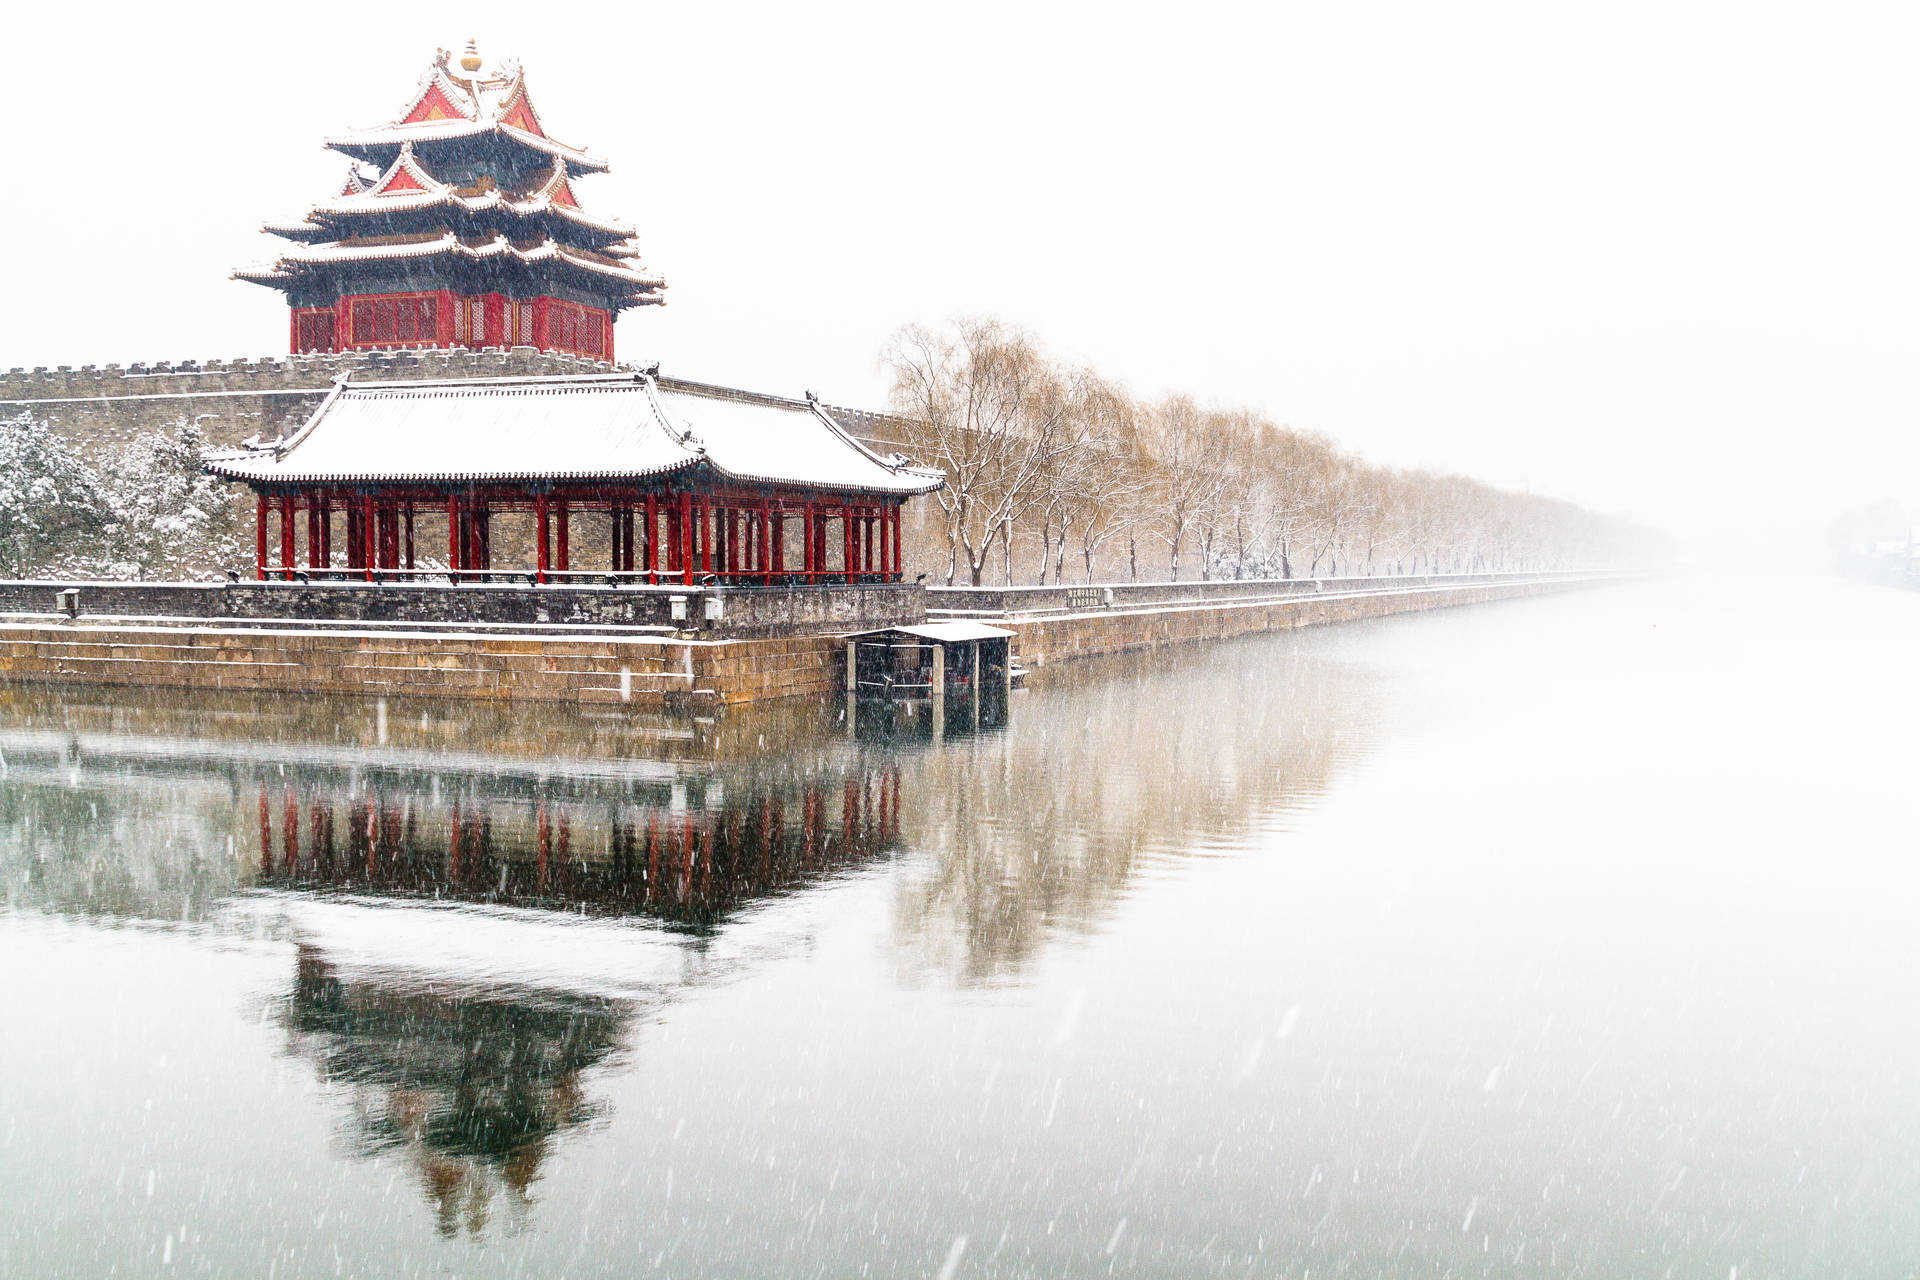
(165, 515)
(51, 509)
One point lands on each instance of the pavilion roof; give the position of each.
(447, 244)
(596, 427)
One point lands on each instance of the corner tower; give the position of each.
(458, 227)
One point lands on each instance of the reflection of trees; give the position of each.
(472, 1087)
(1040, 831)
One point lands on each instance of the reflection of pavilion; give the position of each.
(689, 849)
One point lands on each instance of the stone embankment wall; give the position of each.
(743, 612)
(643, 670)
(1045, 639)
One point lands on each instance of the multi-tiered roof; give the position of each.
(466, 194)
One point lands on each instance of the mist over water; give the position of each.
(1570, 936)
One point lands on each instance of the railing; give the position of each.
(1096, 597)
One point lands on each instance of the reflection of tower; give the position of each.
(472, 1086)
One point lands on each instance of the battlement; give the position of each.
(290, 373)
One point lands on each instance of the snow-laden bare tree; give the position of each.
(984, 404)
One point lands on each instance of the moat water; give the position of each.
(1563, 937)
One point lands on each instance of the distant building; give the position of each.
(465, 232)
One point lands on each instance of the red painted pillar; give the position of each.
(627, 560)
(685, 523)
(443, 319)
(315, 506)
(260, 538)
(545, 534)
(769, 542)
(652, 543)
(542, 306)
(899, 559)
(560, 519)
(495, 308)
(286, 538)
(369, 535)
(705, 531)
(408, 518)
(342, 323)
(453, 534)
(846, 539)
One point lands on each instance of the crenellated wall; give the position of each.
(234, 399)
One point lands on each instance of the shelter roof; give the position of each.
(473, 248)
(940, 632)
(577, 428)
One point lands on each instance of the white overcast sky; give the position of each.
(1657, 258)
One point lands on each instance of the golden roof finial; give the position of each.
(471, 58)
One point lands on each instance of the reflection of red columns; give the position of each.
(849, 814)
(291, 854)
(566, 841)
(373, 839)
(454, 851)
(544, 846)
(266, 833)
(653, 850)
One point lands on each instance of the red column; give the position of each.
(453, 534)
(769, 542)
(705, 531)
(626, 538)
(899, 560)
(541, 306)
(560, 522)
(685, 524)
(443, 319)
(846, 539)
(369, 535)
(408, 518)
(652, 540)
(545, 533)
(260, 538)
(613, 536)
(286, 537)
(315, 543)
(342, 323)
(495, 308)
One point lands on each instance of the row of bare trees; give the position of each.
(1061, 470)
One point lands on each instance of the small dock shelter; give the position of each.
(931, 661)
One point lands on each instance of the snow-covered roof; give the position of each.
(584, 427)
(449, 107)
(474, 248)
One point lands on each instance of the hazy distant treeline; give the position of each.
(1060, 469)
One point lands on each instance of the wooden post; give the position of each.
(409, 522)
(939, 692)
(260, 538)
(706, 532)
(314, 507)
(899, 561)
(286, 537)
(778, 563)
(561, 519)
(543, 537)
(975, 684)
